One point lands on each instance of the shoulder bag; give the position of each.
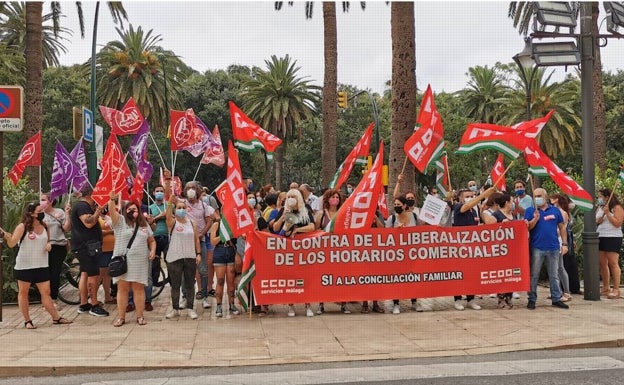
(119, 263)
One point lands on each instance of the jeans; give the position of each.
(203, 273)
(552, 266)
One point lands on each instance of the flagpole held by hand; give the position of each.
(532, 189)
(505, 172)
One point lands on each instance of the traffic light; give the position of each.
(342, 99)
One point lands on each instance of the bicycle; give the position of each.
(70, 277)
(159, 277)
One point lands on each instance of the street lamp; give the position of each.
(525, 61)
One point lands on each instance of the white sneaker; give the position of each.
(206, 303)
(291, 311)
(396, 309)
(309, 312)
(493, 295)
(192, 314)
(458, 305)
(515, 295)
(183, 303)
(173, 313)
(417, 306)
(473, 305)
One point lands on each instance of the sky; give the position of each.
(451, 37)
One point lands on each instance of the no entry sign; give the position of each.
(11, 108)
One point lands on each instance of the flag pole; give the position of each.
(617, 183)
(532, 189)
(405, 164)
(162, 161)
(198, 166)
(39, 180)
(505, 172)
(448, 172)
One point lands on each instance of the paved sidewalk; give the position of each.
(276, 339)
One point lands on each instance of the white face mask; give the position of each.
(467, 200)
(191, 194)
(291, 202)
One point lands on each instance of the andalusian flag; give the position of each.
(249, 136)
(357, 155)
(249, 271)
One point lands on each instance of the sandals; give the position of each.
(119, 322)
(365, 309)
(29, 325)
(614, 294)
(141, 321)
(61, 321)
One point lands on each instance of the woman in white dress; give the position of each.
(142, 250)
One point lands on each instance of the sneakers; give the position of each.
(291, 311)
(344, 310)
(206, 303)
(173, 313)
(98, 311)
(183, 303)
(531, 305)
(515, 295)
(148, 306)
(192, 314)
(473, 305)
(219, 312)
(560, 305)
(84, 308)
(320, 309)
(309, 312)
(458, 305)
(211, 293)
(396, 309)
(417, 306)
(234, 310)
(199, 295)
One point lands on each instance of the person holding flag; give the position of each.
(609, 217)
(223, 259)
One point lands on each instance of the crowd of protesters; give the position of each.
(184, 231)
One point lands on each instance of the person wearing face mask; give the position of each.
(545, 226)
(350, 189)
(201, 215)
(183, 258)
(58, 223)
(277, 211)
(138, 256)
(31, 262)
(522, 201)
(158, 223)
(300, 220)
(466, 213)
(472, 186)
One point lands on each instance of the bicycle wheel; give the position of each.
(159, 284)
(70, 277)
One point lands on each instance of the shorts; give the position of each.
(223, 255)
(610, 244)
(37, 275)
(88, 264)
(104, 259)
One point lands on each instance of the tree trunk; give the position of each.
(330, 107)
(33, 94)
(403, 92)
(600, 123)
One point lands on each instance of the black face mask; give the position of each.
(130, 214)
(410, 202)
(40, 216)
(398, 209)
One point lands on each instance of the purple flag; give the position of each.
(63, 169)
(81, 177)
(214, 152)
(206, 141)
(138, 151)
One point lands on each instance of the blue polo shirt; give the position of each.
(544, 235)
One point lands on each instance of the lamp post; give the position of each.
(525, 61)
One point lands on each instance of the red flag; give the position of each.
(214, 153)
(114, 174)
(383, 203)
(236, 218)
(427, 141)
(170, 184)
(536, 158)
(30, 155)
(124, 122)
(184, 130)
(358, 210)
(359, 153)
(497, 173)
(137, 187)
(249, 136)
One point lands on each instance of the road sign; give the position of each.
(88, 125)
(11, 108)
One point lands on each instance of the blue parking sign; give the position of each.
(88, 125)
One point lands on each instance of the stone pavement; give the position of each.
(277, 339)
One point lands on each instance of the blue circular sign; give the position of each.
(6, 103)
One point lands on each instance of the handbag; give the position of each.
(119, 263)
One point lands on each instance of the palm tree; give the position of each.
(330, 82)
(278, 100)
(13, 65)
(13, 33)
(136, 66)
(403, 90)
(482, 97)
(521, 13)
(561, 133)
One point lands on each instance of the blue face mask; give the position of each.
(601, 202)
(159, 195)
(539, 201)
(473, 188)
(251, 202)
(520, 192)
(181, 213)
